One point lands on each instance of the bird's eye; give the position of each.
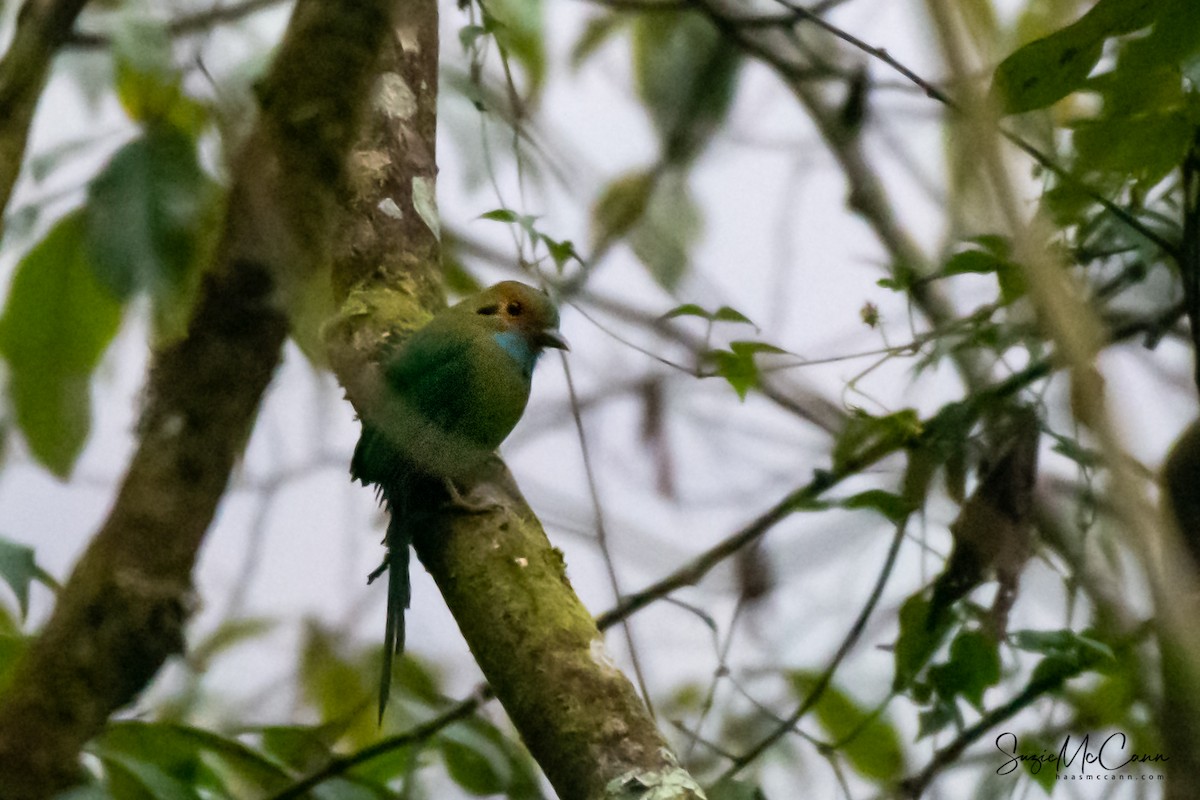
(488, 310)
(514, 309)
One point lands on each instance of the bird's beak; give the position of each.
(552, 338)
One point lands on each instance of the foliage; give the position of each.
(1100, 102)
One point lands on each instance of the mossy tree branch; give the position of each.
(42, 27)
(123, 610)
(506, 586)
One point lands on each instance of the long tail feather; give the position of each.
(399, 537)
(377, 462)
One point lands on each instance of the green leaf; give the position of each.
(518, 28)
(892, 506)
(734, 789)
(865, 434)
(144, 214)
(722, 314)
(974, 666)
(737, 365)
(301, 747)
(561, 252)
(1066, 652)
(501, 215)
(973, 261)
(935, 718)
(1045, 71)
(469, 34)
(148, 84)
(229, 634)
(727, 314)
(1145, 147)
(58, 321)
(171, 760)
(869, 742)
(620, 206)
(596, 32)
(18, 569)
(665, 233)
(1048, 69)
(917, 641)
(474, 760)
(685, 71)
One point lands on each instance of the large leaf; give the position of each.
(148, 84)
(145, 212)
(685, 71)
(57, 322)
(1048, 69)
(868, 741)
(664, 235)
(518, 28)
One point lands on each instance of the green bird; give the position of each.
(451, 394)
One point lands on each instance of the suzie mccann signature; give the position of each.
(1110, 756)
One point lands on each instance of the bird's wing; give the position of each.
(435, 374)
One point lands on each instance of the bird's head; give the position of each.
(524, 319)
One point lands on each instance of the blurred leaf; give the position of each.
(143, 760)
(917, 641)
(501, 215)
(474, 760)
(620, 205)
(973, 261)
(340, 689)
(1066, 652)
(974, 666)
(685, 72)
(144, 214)
(561, 252)
(517, 26)
(874, 749)
(301, 747)
(148, 84)
(229, 634)
(734, 789)
(1145, 147)
(1048, 69)
(892, 506)
(58, 321)
(666, 231)
(864, 434)
(599, 29)
(1174, 39)
(134, 779)
(18, 569)
(737, 365)
(722, 314)
(469, 34)
(937, 717)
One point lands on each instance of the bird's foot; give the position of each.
(472, 505)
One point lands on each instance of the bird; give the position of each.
(451, 393)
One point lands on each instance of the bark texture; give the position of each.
(122, 612)
(537, 645)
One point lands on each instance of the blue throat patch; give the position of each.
(517, 346)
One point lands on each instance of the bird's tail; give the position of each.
(398, 541)
(376, 462)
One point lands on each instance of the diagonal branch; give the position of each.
(122, 613)
(506, 587)
(42, 27)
